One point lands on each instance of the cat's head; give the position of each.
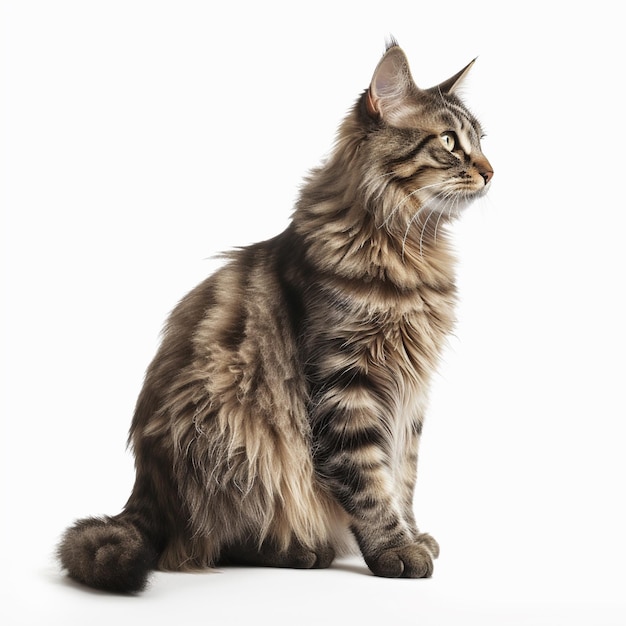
(420, 150)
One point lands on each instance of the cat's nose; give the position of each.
(487, 175)
(484, 169)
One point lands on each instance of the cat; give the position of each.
(279, 421)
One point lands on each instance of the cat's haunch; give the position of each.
(279, 421)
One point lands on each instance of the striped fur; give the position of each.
(280, 418)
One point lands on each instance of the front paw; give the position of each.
(414, 560)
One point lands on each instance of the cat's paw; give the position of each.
(430, 543)
(414, 560)
(296, 556)
(308, 559)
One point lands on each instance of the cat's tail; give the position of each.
(109, 553)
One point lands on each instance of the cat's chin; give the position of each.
(447, 210)
(452, 207)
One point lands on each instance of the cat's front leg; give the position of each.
(364, 460)
(391, 543)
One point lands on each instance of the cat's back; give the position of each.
(222, 308)
(240, 320)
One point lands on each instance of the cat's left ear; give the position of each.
(450, 85)
(391, 85)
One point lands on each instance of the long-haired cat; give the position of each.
(280, 418)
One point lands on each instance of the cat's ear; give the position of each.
(450, 85)
(391, 85)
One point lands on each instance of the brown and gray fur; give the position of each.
(280, 418)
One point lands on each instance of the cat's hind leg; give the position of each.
(269, 554)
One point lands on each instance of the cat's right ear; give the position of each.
(390, 87)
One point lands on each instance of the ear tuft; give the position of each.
(391, 42)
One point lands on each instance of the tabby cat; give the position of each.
(280, 418)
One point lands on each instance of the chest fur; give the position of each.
(402, 333)
(370, 362)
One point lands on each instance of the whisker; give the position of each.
(455, 206)
(449, 200)
(381, 188)
(406, 198)
(423, 231)
(383, 175)
(384, 186)
(408, 228)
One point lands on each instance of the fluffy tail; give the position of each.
(110, 553)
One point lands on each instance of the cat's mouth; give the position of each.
(481, 191)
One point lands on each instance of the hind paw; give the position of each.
(268, 554)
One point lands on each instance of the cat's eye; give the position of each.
(449, 140)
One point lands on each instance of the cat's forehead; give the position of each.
(440, 114)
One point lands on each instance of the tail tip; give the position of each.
(107, 553)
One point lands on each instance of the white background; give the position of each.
(138, 139)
